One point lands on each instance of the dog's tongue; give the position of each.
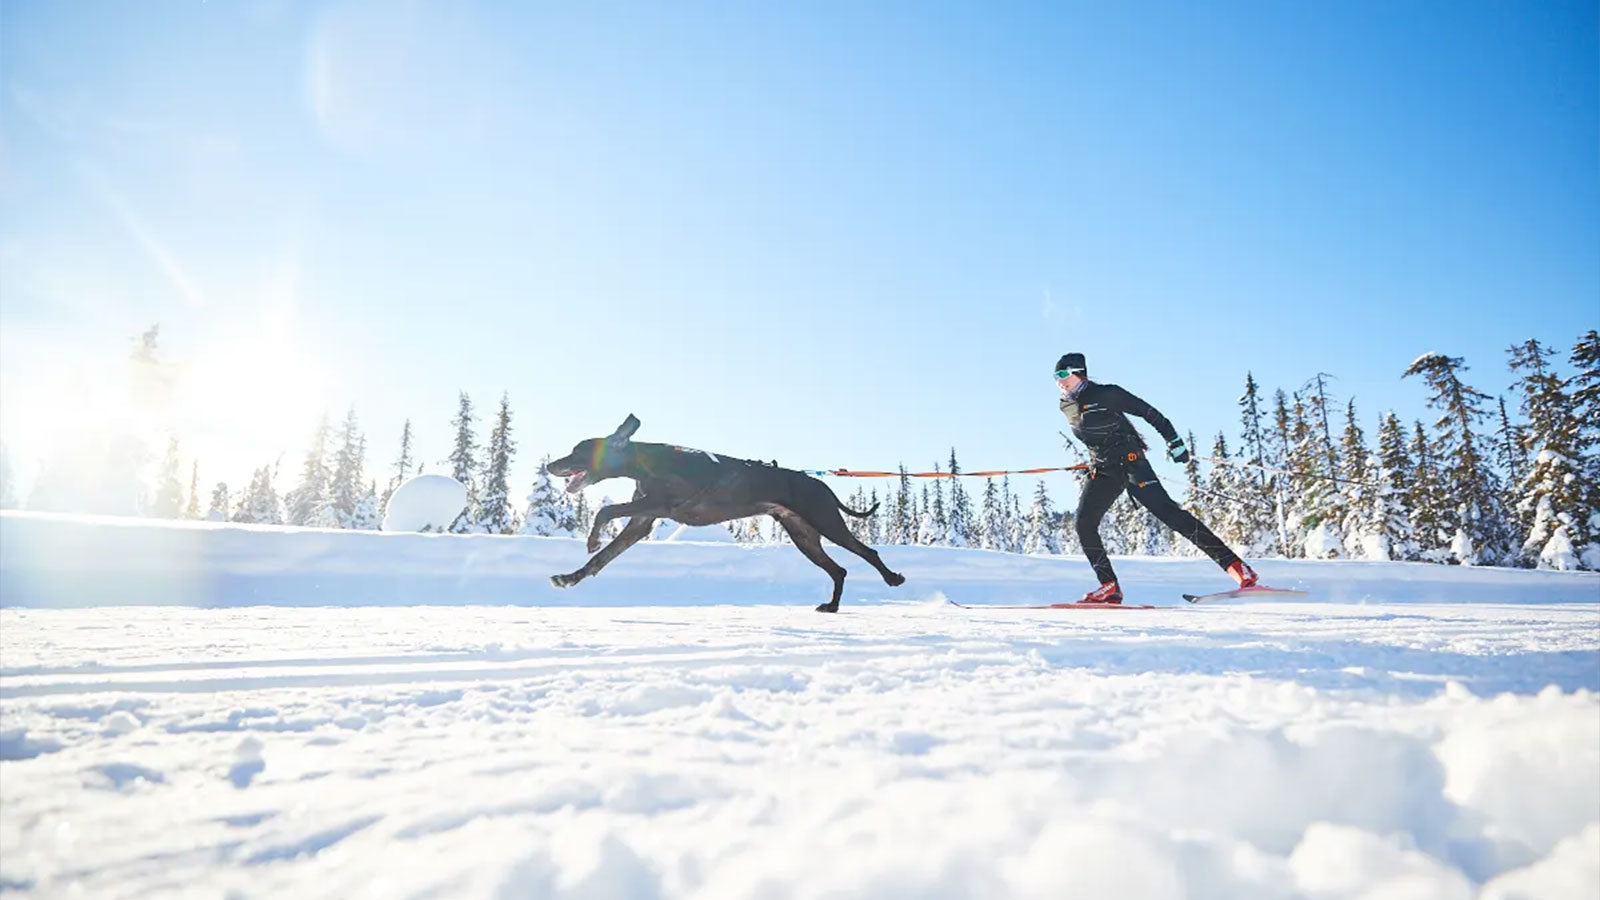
(575, 483)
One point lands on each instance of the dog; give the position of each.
(695, 487)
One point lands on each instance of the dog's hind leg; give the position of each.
(833, 528)
(636, 529)
(808, 541)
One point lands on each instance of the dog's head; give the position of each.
(596, 459)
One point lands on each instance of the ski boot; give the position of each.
(1243, 574)
(1108, 594)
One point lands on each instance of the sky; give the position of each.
(834, 234)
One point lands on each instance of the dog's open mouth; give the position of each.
(576, 481)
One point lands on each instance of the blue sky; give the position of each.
(834, 234)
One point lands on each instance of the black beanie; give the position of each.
(1073, 362)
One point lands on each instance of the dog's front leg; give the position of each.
(636, 529)
(633, 507)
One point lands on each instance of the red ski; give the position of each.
(1257, 590)
(1048, 605)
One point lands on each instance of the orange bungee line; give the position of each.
(860, 473)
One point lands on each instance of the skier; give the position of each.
(1098, 413)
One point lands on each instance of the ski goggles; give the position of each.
(1064, 374)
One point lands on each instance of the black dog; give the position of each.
(699, 488)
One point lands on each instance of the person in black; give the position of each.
(1099, 417)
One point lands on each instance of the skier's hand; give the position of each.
(1177, 451)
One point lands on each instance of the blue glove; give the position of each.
(1176, 451)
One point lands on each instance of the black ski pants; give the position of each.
(1106, 483)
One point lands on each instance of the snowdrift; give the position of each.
(75, 561)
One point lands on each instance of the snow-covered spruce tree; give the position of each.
(1305, 491)
(366, 516)
(928, 530)
(1257, 503)
(963, 527)
(1584, 388)
(1195, 498)
(1551, 502)
(992, 529)
(1387, 530)
(1229, 512)
(260, 505)
(306, 500)
(496, 515)
(545, 515)
(857, 526)
(168, 500)
(1042, 536)
(1353, 487)
(402, 466)
(874, 521)
(1424, 497)
(219, 503)
(1473, 513)
(347, 483)
(1019, 526)
(1322, 503)
(1511, 456)
(938, 532)
(899, 530)
(581, 516)
(463, 461)
(191, 509)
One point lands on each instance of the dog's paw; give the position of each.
(894, 579)
(562, 581)
(828, 607)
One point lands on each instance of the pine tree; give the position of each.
(1229, 513)
(939, 534)
(308, 500)
(874, 521)
(1386, 531)
(899, 528)
(1309, 531)
(1257, 500)
(1584, 388)
(963, 528)
(219, 503)
(928, 528)
(1282, 426)
(464, 465)
(402, 466)
(1423, 496)
(260, 504)
(497, 516)
(992, 536)
(192, 511)
(1321, 501)
(1473, 513)
(1042, 536)
(1551, 508)
(1511, 449)
(1195, 498)
(1017, 526)
(366, 516)
(1356, 494)
(345, 483)
(547, 513)
(168, 501)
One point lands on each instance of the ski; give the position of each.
(1047, 605)
(1259, 590)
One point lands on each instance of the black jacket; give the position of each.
(1099, 417)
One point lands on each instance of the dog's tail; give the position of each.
(857, 513)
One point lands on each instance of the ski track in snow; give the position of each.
(1282, 750)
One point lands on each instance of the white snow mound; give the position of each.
(425, 502)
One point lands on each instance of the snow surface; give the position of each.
(425, 502)
(247, 711)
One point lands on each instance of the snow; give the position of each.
(425, 502)
(257, 711)
(714, 534)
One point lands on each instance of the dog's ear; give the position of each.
(624, 431)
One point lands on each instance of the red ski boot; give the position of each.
(1107, 594)
(1243, 574)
